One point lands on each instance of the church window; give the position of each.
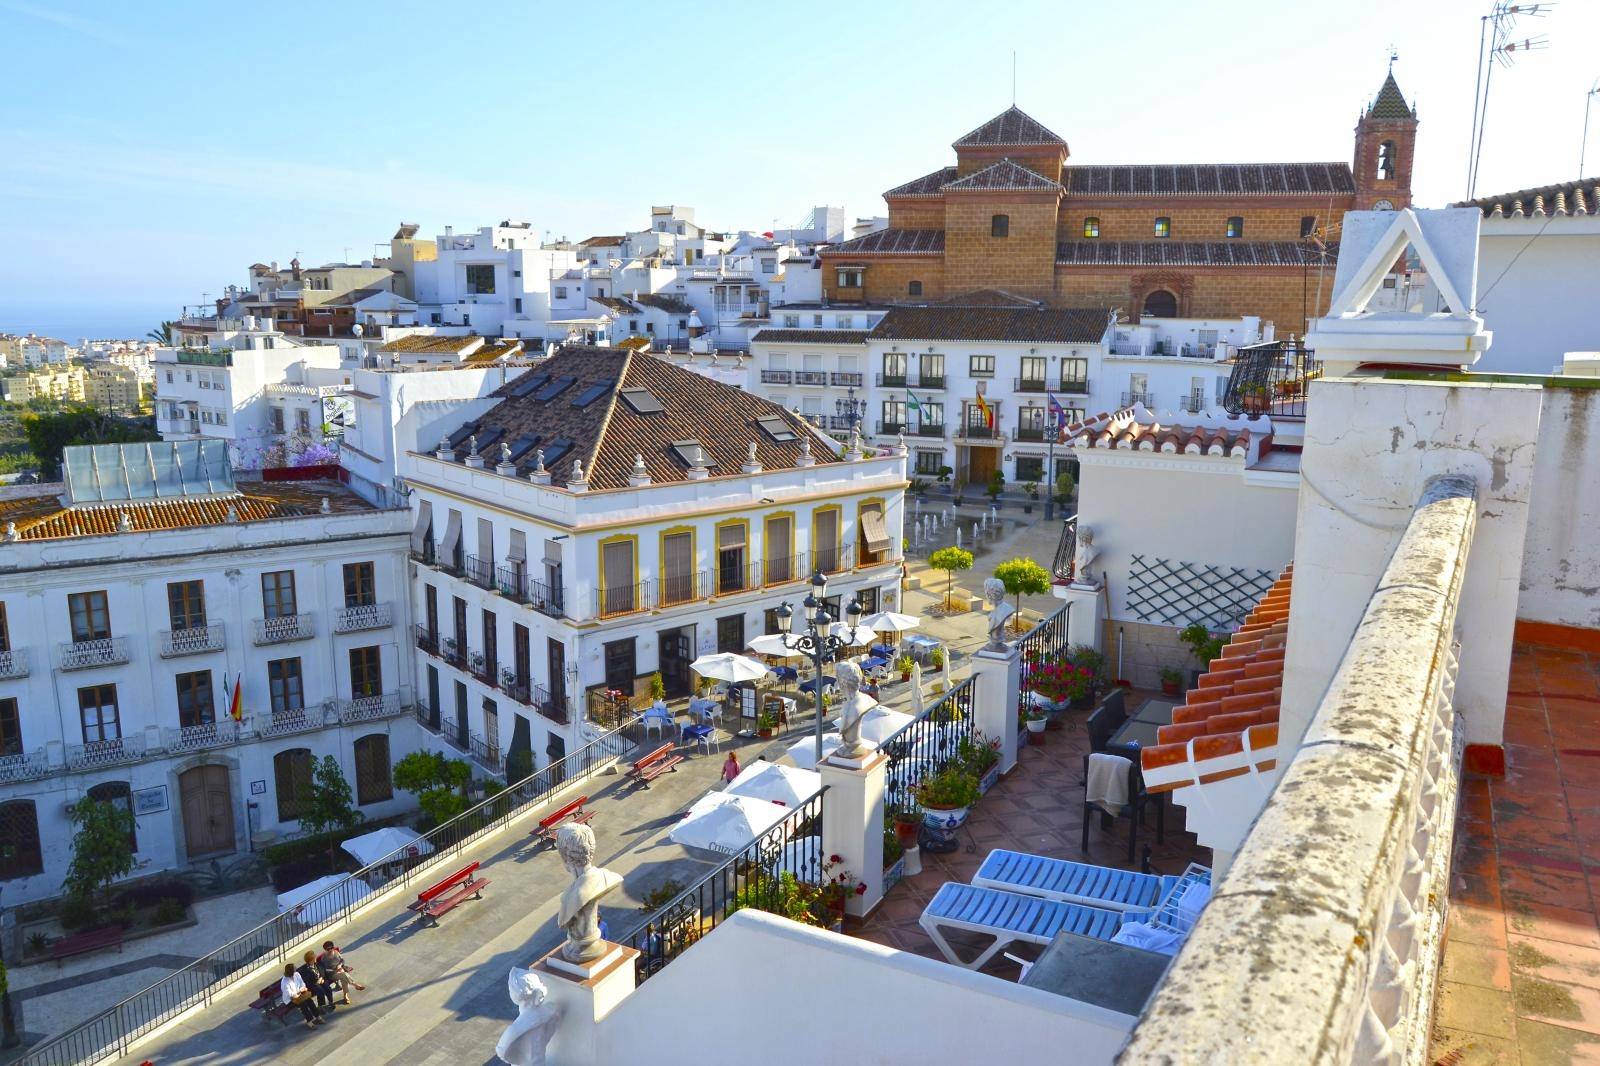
(1235, 226)
(914, 288)
(1091, 226)
(1163, 227)
(1000, 226)
(1308, 225)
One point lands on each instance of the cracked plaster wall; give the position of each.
(1371, 445)
(1560, 564)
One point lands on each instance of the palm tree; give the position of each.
(162, 334)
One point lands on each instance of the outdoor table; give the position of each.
(698, 707)
(1154, 710)
(692, 733)
(922, 649)
(876, 662)
(1115, 977)
(786, 673)
(1134, 734)
(883, 650)
(811, 686)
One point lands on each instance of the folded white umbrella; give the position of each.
(726, 666)
(916, 690)
(775, 783)
(390, 843)
(878, 724)
(720, 822)
(313, 904)
(803, 753)
(890, 622)
(858, 636)
(772, 644)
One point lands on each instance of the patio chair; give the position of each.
(1007, 917)
(707, 739)
(1138, 799)
(1106, 720)
(656, 719)
(1072, 882)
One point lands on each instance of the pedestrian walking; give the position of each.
(730, 768)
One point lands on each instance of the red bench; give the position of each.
(654, 765)
(572, 814)
(83, 943)
(445, 895)
(271, 1006)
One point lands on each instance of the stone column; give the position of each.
(852, 822)
(584, 996)
(996, 681)
(1086, 621)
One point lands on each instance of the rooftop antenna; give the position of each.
(1496, 45)
(1588, 99)
(1013, 77)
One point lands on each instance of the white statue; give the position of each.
(852, 704)
(1000, 612)
(580, 903)
(1083, 554)
(524, 1040)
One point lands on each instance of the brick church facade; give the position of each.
(1192, 241)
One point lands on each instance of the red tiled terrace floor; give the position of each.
(1038, 808)
(1521, 977)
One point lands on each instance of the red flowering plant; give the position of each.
(1060, 682)
(838, 885)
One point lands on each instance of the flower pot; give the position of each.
(1036, 725)
(1036, 738)
(893, 874)
(907, 833)
(764, 732)
(1169, 688)
(990, 776)
(945, 818)
(905, 675)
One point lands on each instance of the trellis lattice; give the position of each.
(1179, 593)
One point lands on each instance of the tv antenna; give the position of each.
(1498, 47)
(1588, 99)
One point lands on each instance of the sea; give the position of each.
(73, 322)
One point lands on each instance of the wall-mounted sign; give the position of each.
(150, 800)
(258, 788)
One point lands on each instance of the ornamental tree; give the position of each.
(329, 806)
(950, 560)
(1021, 576)
(102, 846)
(440, 784)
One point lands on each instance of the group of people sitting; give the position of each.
(311, 985)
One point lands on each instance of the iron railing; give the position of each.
(783, 570)
(925, 429)
(363, 616)
(928, 381)
(1028, 384)
(427, 639)
(486, 753)
(365, 708)
(1133, 396)
(674, 589)
(1075, 386)
(926, 745)
(102, 651)
(25, 765)
(752, 876)
(192, 641)
(847, 379)
(1043, 644)
(13, 663)
(480, 572)
(775, 377)
(810, 377)
(1271, 379)
(112, 1031)
(891, 381)
(101, 753)
(736, 578)
(889, 427)
(513, 582)
(1066, 550)
(285, 628)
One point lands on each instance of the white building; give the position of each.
(497, 280)
(614, 516)
(135, 596)
(270, 396)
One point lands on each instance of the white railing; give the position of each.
(104, 651)
(363, 708)
(283, 723)
(1333, 910)
(24, 765)
(200, 737)
(13, 663)
(365, 616)
(192, 641)
(105, 752)
(285, 628)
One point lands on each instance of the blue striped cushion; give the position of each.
(1061, 877)
(1024, 915)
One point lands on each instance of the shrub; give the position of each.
(950, 560)
(153, 893)
(1023, 576)
(891, 848)
(78, 912)
(122, 917)
(1200, 641)
(954, 786)
(660, 896)
(102, 846)
(38, 943)
(997, 484)
(493, 786)
(168, 912)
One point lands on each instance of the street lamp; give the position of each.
(850, 409)
(815, 641)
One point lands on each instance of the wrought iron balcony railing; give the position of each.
(195, 640)
(810, 377)
(364, 708)
(848, 379)
(101, 753)
(200, 737)
(776, 377)
(285, 628)
(1075, 386)
(363, 616)
(1271, 379)
(13, 663)
(102, 651)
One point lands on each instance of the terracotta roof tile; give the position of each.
(1572, 198)
(1239, 693)
(433, 344)
(952, 323)
(892, 242)
(665, 301)
(1131, 435)
(811, 336)
(1167, 180)
(1005, 176)
(927, 185)
(1010, 127)
(1191, 253)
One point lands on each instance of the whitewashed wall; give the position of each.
(1560, 565)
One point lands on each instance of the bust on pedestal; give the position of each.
(853, 704)
(1084, 553)
(523, 1042)
(1000, 612)
(580, 903)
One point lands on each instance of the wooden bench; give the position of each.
(83, 943)
(654, 765)
(572, 814)
(445, 895)
(272, 1008)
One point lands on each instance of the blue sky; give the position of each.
(150, 152)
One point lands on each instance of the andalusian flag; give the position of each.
(912, 404)
(236, 705)
(988, 412)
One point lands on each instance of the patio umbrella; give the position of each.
(772, 644)
(775, 783)
(726, 666)
(803, 753)
(890, 622)
(313, 904)
(720, 822)
(880, 723)
(858, 636)
(916, 690)
(383, 844)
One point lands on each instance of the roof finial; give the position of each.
(125, 523)
(697, 463)
(1393, 55)
(505, 467)
(639, 476)
(805, 451)
(752, 464)
(443, 450)
(577, 481)
(232, 515)
(11, 531)
(539, 475)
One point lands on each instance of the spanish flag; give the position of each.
(988, 412)
(236, 705)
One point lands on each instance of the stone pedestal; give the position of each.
(1086, 622)
(584, 998)
(852, 823)
(996, 679)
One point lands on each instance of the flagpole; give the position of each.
(1050, 466)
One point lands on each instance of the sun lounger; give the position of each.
(1072, 882)
(1008, 917)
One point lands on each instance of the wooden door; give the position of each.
(621, 668)
(677, 652)
(980, 464)
(207, 810)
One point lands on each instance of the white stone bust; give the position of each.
(523, 1042)
(1000, 612)
(580, 903)
(1084, 553)
(852, 704)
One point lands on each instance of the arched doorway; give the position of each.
(1160, 304)
(207, 805)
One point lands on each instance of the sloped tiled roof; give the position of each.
(613, 304)
(1155, 437)
(1210, 179)
(1010, 127)
(45, 517)
(494, 352)
(1390, 102)
(811, 336)
(1073, 325)
(665, 301)
(988, 298)
(600, 241)
(430, 344)
(606, 433)
(1005, 176)
(1191, 253)
(893, 242)
(927, 185)
(1572, 198)
(1239, 692)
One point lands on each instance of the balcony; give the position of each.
(783, 571)
(282, 630)
(25, 765)
(1127, 348)
(734, 578)
(674, 589)
(979, 432)
(87, 654)
(1133, 396)
(485, 671)
(362, 617)
(1028, 384)
(1030, 433)
(1271, 379)
(889, 429)
(480, 572)
(200, 737)
(810, 377)
(776, 377)
(102, 753)
(936, 429)
(486, 753)
(427, 639)
(513, 582)
(928, 381)
(1075, 386)
(892, 381)
(364, 708)
(13, 663)
(428, 556)
(848, 379)
(196, 640)
(1194, 402)
(627, 599)
(289, 721)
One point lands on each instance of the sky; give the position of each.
(150, 152)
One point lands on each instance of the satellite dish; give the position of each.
(357, 330)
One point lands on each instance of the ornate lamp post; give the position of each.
(850, 409)
(815, 641)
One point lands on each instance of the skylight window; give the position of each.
(683, 451)
(523, 445)
(489, 439)
(526, 384)
(642, 401)
(554, 389)
(777, 429)
(592, 393)
(555, 451)
(459, 436)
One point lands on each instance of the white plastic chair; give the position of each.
(708, 740)
(657, 719)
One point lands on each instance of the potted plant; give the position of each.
(936, 658)
(904, 664)
(1065, 487)
(1171, 678)
(658, 687)
(944, 477)
(1254, 398)
(1031, 488)
(1203, 644)
(766, 723)
(981, 756)
(906, 822)
(1034, 720)
(894, 859)
(997, 485)
(947, 796)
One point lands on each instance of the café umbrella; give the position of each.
(724, 823)
(726, 666)
(392, 843)
(775, 783)
(890, 622)
(320, 900)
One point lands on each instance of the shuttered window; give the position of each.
(778, 547)
(292, 773)
(373, 784)
(677, 567)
